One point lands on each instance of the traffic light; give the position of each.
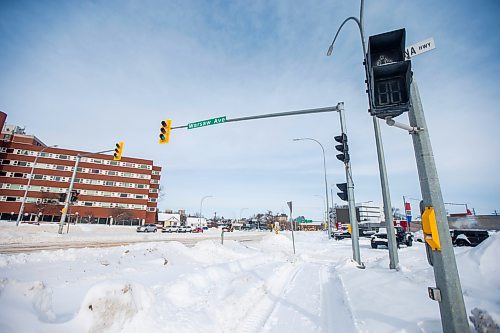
(165, 131)
(118, 151)
(62, 197)
(74, 196)
(343, 148)
(343, 188)
(389, 74)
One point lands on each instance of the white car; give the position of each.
(147, 228)
(171, 229)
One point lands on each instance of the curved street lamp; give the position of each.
(21, 209)
(324, 205)
(241, 212)
(201, 207)
(326, 182)
(386, 198)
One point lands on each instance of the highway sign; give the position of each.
(208, 122)
(419, 48)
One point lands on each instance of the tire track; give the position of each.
(267, 298)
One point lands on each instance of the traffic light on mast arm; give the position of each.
(74, 196)
(118, 151)
(343, 194)
(343, 148)
(165, 131)
(389, 74)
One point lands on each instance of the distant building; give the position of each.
(169, 219)
(196, 222)
(109, 192)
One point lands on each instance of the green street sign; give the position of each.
(208, 122)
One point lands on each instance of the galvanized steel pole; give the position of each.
(452, 307)
(350, 198)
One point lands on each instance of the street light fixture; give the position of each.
(324, 205)
(21, 209)
(326, 182)
(201, 207)
(241, 212)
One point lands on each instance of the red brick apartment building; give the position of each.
(109, 192)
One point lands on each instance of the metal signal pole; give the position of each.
(451, 303)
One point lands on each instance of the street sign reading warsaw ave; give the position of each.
(208, 122)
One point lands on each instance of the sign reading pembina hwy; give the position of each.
(213, 121)
(420, 47)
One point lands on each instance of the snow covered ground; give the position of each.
(258, 286)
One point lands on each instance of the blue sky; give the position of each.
(85, 74)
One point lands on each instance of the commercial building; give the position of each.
(107, 191)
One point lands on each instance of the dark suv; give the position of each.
(468, 237)
(402, 237)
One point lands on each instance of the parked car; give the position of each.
(341, 234)
(198, 229)
(189, 228)
(402, 237)
(181, 229)
(147, 228)
(171, 229)
(468, 237)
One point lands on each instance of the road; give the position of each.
(12, 248)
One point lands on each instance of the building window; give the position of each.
(88, 204)
(3, 174)
(38, 177)
(60, 167)
(11, 199)
(151, 209)
(22, 163)
(63, 157)
(112, 173)
(123, 195)
(18, 175)
(95, 171)
(5, 162)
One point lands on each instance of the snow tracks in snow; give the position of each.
(298, 297)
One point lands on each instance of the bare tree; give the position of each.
(46, 204)
(121, 215)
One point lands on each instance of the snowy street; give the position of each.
(256, 286)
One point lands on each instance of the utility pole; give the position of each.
(291, 225)
(451, 303)
(72, 182)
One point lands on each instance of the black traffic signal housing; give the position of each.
(165, 131)
(62, 197)
(343, 191)
(74, 196)
(118, 151)
(389, 74)
(343, 148)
